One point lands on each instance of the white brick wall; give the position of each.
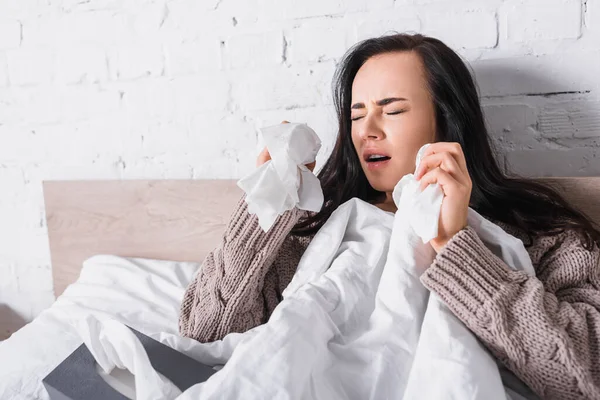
(10, 34)
(544, 20)
(467, 28)
(177, 89)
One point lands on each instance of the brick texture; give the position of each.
(108, 89)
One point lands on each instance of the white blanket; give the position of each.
(145, 294)
(356, 323)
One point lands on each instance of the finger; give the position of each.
(311, 165)
(263, 157)
(437, 175)
(453, 148)
(285, 122)
(443, 160)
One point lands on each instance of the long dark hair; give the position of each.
(533, 207)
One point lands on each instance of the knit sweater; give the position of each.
(545, 329)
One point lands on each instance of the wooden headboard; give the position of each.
(180, 220)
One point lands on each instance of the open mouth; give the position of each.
(373, 158)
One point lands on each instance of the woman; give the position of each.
(392, 95)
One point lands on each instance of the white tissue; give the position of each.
(284, 182)
(426, 205)
(114, 345)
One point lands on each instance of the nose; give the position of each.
(370, 129)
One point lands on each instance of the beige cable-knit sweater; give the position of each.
(545, 329)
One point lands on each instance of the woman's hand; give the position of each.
(445, 163)
(264, 156)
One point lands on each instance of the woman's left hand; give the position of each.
(445, 163)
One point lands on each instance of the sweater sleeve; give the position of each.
(546, 329)
(226, 293)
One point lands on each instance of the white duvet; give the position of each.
(355, 322)
(144, 294)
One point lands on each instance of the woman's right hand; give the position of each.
(264, 156)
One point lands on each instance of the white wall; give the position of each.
(120, 89)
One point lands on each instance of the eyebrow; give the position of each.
(382, 102)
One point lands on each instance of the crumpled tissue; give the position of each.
(114, 345)
(284, 181)
(425, 206)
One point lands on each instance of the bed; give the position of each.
(157, 219)
(127, 250)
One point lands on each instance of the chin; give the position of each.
(381, 186)
(384, 181)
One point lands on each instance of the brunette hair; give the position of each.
(534, 207)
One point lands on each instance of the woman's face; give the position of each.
(392, 116)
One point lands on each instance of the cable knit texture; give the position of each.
(545, 329)
(241, 281)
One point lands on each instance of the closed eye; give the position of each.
(392, 113)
